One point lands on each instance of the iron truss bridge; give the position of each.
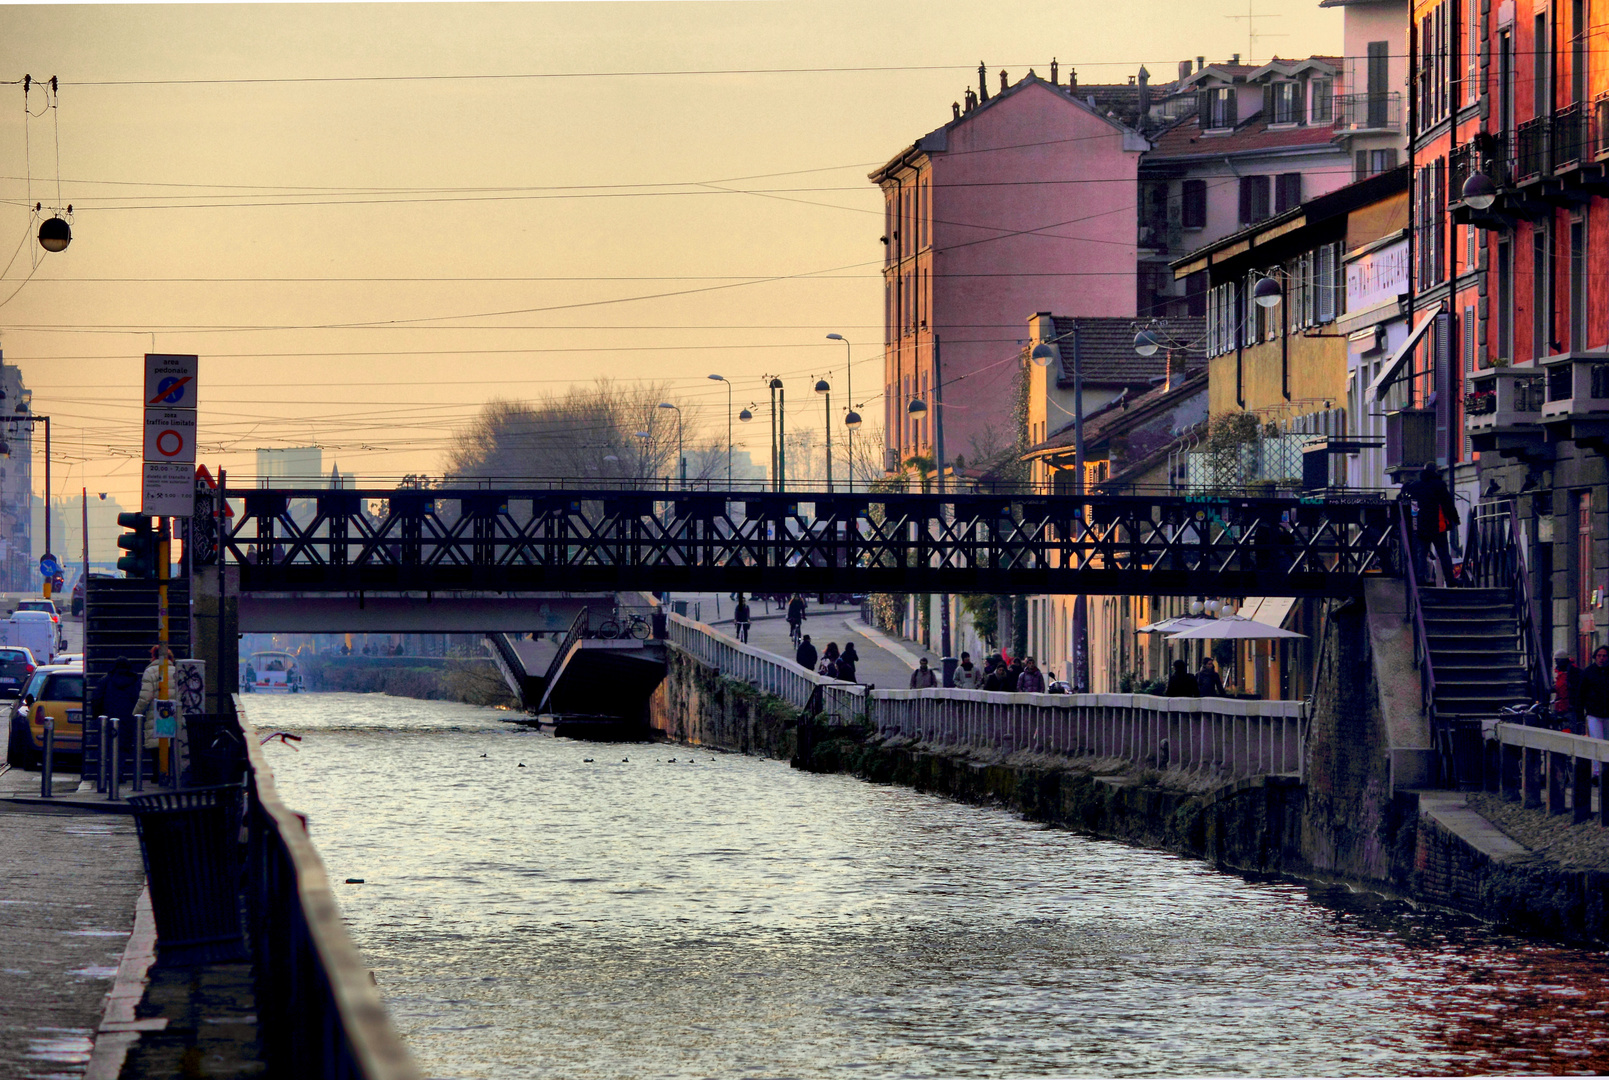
(444, 539)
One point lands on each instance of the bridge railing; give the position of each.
(768, 672)
(1218, 736)
(320, 1012)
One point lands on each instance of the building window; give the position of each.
(1253, 199)
(1218, 108)
(1322, 91)
(1505, 300)
(1541, 279)
(1287, 191)
(1578, 285)
(1287, 103)
(1194, 211)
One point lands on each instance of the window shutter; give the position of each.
(1326, 283)
(1231, 106)
(1361, 169)
(1268, 103)
(1204, 109)
(1245, 200)
(1301, 102)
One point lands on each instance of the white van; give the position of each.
(32, 630)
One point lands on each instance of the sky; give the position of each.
(367, 220)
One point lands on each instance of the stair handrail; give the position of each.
(1415, 614)
(1536, 665)
(578, 629)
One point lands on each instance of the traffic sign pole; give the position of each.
(162, 638)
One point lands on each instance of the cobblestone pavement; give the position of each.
(68, 882)
(1585, 845)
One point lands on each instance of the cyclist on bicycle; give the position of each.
(741, 619)
(796, 617)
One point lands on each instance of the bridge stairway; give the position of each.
(525, 686)
(1473, 639)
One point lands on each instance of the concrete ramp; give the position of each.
(606, 678)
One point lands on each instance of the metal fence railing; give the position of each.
(1221, 736)
(767, 672)
(318, 1009)
(1539, 767)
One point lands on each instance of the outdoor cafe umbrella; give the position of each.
(1236, 627)
(1173, 625)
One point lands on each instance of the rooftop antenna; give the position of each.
(1252, 34)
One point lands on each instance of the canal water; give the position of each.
(660, 912)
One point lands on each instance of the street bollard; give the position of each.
(49, 759)
(139, 753)
(112, 782)
(100, 772)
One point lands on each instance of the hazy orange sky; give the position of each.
(369, 219)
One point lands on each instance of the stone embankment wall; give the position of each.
(1251, 825)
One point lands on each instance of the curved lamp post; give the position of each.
(825, 391)
(723, 379)
(849, 395)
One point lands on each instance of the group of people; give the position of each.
(1206, 681)
(831, 661)
(1581, 698)
(1002, 674)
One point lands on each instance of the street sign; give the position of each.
(169, 489)
(48, 566)
(170, 382)
(170, 435)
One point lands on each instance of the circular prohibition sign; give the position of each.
(170, 443)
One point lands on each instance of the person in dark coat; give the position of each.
(1595, 697)
(847, 661)
(1182, 683)
(117, 691)
(1208, 684)
(994, 678)
(1437, 517)
(1008, 677)
(829, 661)
(806, 656)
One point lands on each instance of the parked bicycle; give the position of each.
(632, 626)
(1532, 715)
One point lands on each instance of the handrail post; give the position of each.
(48, 764)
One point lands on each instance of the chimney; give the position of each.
(1174, 378)
(1054, 69)
(983, 82)
(1144, 106)
(1003, 80)
(1234, 58)
(955, 109)
(1131, 80)
(1201, 62)
(1072, 78)
(1184, 70)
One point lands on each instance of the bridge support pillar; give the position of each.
(215, 636)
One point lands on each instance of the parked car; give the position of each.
(56, 692)
(16, 665)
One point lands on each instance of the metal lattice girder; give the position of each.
(437, 540)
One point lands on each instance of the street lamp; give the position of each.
(779, 454)
(1479, 191)
(849, 395)
(724, 379)
(1267, 292)
(825, 391)
(55, 234)
(681, 455)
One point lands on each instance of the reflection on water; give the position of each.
(716, 915)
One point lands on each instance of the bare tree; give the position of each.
(605, 432)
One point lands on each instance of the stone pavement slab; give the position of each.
(68, 885)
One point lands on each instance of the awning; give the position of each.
(1268, 610)
(1393, 366)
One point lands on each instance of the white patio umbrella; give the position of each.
(1236, 627)
(1173, 625)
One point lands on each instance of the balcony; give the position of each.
(1578, 387)
(1366, 114)
(1503, 409)
(1531, 159)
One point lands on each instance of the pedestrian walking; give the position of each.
(1181, 683)
(1595, 697)
(847, 662)
(741, 619)
(967, 675)
(150, 689)
(829, 661)
(806, 656)
(1009, 676)
(994, 678)
(1031, 680)
(1567, 695)
(116, 692)
(1437, 516)
(1208, 684)
(923, 678)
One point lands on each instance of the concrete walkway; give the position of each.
(68, 884)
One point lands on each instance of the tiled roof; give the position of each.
(1106, 349)
(1185, 140)
(1127, 409)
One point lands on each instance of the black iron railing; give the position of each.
(579, 627)
(1571, 139)
(1415, 615)
(1459, 164)
(1531, 149)
(1495, 558)
(448, 539)
(318, 1009)
(1368, 112)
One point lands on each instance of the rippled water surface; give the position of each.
(715, 915)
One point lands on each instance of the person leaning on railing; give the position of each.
(1595, 697)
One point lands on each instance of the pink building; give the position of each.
(1024, 202)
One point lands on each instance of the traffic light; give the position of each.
(140, 562)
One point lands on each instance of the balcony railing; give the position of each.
(1531, 149)
(1368, 112)
(1571, 137)
(1578, 386)
(1459, 163)
(1501, 399)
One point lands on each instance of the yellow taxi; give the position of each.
(55, 691)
